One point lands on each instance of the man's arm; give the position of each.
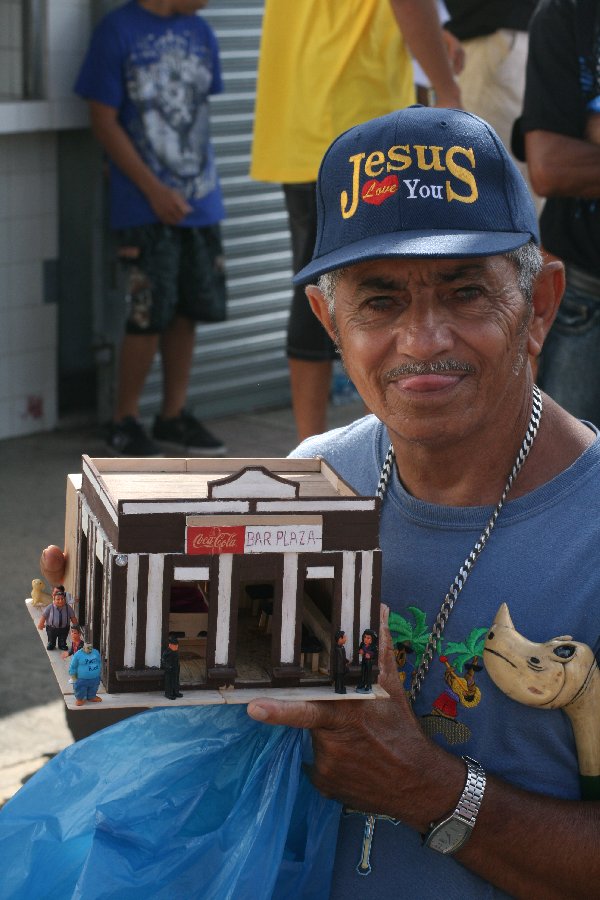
(170, 207)
(562, 166)
(419, 23)
(524, 843)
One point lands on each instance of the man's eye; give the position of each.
(380, 304)
(467, 293)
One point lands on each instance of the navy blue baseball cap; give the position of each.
(419, 182)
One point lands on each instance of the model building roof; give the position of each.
(125, 480)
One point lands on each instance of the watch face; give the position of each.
(448, 836)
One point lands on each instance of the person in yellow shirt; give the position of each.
(324, 67)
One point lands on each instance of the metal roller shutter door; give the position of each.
(240, 364)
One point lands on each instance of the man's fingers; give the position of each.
(296, 715)
(52, 564)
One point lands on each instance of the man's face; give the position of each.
(367, 640)
(436, 348)
(59, 600)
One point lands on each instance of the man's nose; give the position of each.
(424, 332)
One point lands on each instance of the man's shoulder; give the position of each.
(338, 439)
(352, 451)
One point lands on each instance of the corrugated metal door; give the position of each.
(241, 364)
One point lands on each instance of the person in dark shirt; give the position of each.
(559, 127)
(495, 40)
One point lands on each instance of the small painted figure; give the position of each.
(367, 652)
(56, 618)
(85, 670)
(76, 642)
(339, 661)
(170, 663)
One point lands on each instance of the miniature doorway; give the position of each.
(317, 617)
(254, 638)
(188, 619)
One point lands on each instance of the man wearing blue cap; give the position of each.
(427, 274)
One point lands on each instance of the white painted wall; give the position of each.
(28, 210)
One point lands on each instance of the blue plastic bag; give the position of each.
(193, 802)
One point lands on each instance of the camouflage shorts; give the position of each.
(172, 271)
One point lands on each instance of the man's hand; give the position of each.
(369, 754)
(170, 207)
(52, 564)
(455, 51)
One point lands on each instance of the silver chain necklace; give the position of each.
(364, 864)
(465, 570)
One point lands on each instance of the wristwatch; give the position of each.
(453, 832)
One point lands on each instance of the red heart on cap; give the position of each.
(376, 192)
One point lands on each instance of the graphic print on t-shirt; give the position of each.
(168, 80)
(461, 661)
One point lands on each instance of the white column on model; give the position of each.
(223, 609)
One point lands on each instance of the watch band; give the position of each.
(472, 795)
(452, 832)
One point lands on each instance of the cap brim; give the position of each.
(451, 245)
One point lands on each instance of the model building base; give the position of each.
(137, 702)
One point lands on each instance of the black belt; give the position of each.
(582, 281)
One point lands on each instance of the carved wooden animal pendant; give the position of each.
(558, 674)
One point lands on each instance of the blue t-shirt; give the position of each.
(85, 665)
(542, 560)
(158, 72)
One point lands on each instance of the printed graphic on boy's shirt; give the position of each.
(168, 79)
(461, 661)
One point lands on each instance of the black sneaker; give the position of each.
(128, 438)
(185, 434)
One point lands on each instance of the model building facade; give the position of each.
(254, 564)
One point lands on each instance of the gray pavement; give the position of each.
(33, 474)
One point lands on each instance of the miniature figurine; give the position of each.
(340, 663)
(76, 642)
(85, 670)
(55, 619)
(367, 652)
(39, 596)
(170, 663)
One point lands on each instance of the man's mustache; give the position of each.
(436, 367)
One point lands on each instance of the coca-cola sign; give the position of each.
(211, 539)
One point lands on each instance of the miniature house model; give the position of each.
(254, 563)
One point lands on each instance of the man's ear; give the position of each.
(320, 307)
(547, 294)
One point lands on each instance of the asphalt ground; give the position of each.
(33, 473)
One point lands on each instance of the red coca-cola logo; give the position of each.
(201, 539)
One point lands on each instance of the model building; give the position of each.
(253, 565)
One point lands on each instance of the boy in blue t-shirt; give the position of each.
(149, 70)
